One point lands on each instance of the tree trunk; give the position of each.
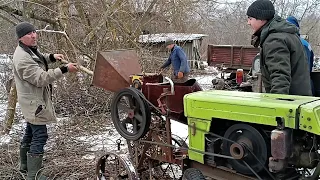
(11, 108)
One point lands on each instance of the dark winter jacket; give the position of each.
(284, 64)
(178, 59)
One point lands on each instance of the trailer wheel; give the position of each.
(193, 174)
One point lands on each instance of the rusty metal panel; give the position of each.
(231, 56)
(113, 69)
(237, 53)
(219, 55)
(280, 144)
(248, 56)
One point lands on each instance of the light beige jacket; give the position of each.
(32, 82)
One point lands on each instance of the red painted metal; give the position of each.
(159, 94)
(233, 57)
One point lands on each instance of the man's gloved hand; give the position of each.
(180, 75)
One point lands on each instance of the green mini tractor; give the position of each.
(269, 136)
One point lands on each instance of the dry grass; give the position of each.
(66, 151)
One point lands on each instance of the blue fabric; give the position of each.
(179, 61)
(309, 52)
(293, 20)
(36, 136)
(307, 47)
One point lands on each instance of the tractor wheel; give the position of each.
(130, 114)
(193, 174)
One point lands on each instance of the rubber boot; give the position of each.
(23, 158)
(34, 165)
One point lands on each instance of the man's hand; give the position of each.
(180, 75)
(58, 56)
(72, 67)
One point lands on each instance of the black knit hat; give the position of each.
(261, 9)
(24, 28)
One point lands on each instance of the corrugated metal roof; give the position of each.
(157, 38)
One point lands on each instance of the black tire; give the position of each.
(145, 114)
(193, 174)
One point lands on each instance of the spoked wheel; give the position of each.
(246, 137)
(113, 167)
(130, 114)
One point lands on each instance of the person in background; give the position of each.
(283, 63)
(307, 46)
(179, 61)
(33, 81)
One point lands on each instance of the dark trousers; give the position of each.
(36, 137)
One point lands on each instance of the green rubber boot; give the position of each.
(23, 158)
(34, 165)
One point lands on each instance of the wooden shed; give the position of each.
(190, 43)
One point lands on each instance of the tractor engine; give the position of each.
(292, 149)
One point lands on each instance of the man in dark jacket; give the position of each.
(307, 46)
(284, 64)
(179, 61)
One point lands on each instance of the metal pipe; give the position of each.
(259, 82)
(171, 83)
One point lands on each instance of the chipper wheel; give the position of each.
(130, 114)
(193, 174)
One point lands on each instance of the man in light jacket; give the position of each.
(33, 81)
